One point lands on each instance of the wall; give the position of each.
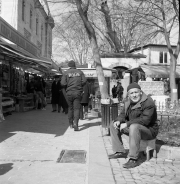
(113, 62)
(9, 11)
(153, 55)
(12, 13)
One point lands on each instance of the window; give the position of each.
(49, 39)
(37, 25)
(31, 14)
(0, 6)
(23, 10)
(41, 32)
(163, 57)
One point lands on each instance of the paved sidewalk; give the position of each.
(31, 142)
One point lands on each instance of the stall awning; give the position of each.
(24, 55)
(159, 71)
(91, 72)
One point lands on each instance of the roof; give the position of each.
(81, 68)
(150, 45)
(159, 71)
(122, 55)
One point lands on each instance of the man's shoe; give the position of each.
(117, 155)
(76, 128)
(54, 111)
(131, 164)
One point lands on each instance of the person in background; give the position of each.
(39, 91)
(92, 94)
(114, 91)
(44, 91)
(55, 94)
(73, 81)
(138, 119)
(31, 89)
(85, 101)
(119, 91)
(62, 104)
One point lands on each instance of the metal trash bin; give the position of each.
(109, 112)
(106, 116)
(114, 111)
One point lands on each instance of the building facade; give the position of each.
(32, 19)
(155, 54)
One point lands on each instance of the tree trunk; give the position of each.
(95, 49)
(173, 56)
(172, 76)
(112, 34)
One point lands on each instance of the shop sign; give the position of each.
(152, 87)
(93, 74)
(8, 32)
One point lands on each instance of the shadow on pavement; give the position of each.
(88, 125)
(36, 121)
(4, 168)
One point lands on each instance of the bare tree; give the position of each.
(70, 38)
(162, 16)
(83, 8)
(83, 12)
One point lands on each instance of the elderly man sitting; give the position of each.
(138, 120)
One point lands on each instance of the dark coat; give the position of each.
(144, 113)
(119, 89)
(61, 98)
(86, 93)
(55, 93)
(74, 80)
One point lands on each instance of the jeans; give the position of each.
(73, 100)
(136, 133)
(40, 99)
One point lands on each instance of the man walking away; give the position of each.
(73, 80)
(138, 119)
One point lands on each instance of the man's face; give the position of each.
(135, 95)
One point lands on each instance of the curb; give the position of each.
(168, 152)
(99, 169)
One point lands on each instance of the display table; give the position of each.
(7, 105)
(25, 103)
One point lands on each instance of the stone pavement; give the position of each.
(154, 171)
(31, 142)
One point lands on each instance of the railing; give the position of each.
(169, 116)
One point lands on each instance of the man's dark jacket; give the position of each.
(74, 80)
(144, 113)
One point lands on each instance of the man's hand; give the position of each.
(116, 124)
(122, 126)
